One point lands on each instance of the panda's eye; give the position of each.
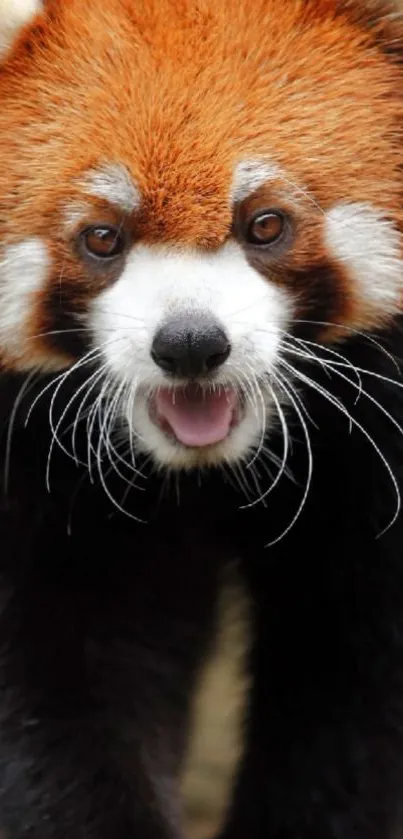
(265, 228)
(103, 241)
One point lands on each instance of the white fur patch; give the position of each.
(14, 14)
(23, 272)
(370, 247)
(158, 282)
(249, 176)
(74, 214)
(113, 183)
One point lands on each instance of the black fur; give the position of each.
(324, 754)
(104, 622)
(102, 625)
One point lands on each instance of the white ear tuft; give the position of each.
(14, 14)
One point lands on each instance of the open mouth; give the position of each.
(196, 416)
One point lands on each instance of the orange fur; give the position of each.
(179, 91)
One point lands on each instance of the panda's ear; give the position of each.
(14, 14)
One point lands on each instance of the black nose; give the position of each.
(190, 345)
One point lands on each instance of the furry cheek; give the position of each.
(24, 273)
(368, 246)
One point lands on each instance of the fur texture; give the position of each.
(167, 164)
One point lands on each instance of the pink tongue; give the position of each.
(197, 417)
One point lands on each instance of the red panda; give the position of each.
(201, 298)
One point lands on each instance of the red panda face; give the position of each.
(183, 185)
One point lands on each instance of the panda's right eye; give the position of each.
(265, 228)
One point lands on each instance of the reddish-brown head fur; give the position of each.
(178, 91)
(178, 94)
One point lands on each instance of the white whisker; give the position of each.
(55, 428)
(334, 401)
(284, 385)
(10, 429)
(280, 472)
